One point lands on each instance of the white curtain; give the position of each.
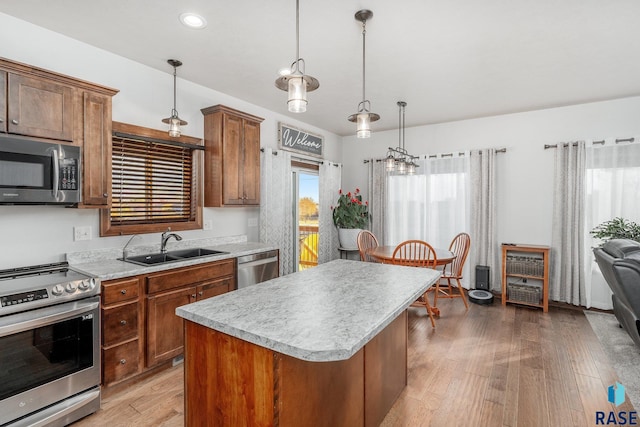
(567, 282)
(483, 223)
(276, 212)
(377, 196)
(612, 185)
(431, 205)
(330, 175)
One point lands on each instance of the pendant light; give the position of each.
(398, 159)
(363, 117)
(296, 82)
(174, 121)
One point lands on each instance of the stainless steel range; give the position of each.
(49, 345)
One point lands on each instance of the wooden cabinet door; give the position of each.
(232, 160)
(251, 164)
(3, 101)
(96, 170)
(40, 107)
(165, 334)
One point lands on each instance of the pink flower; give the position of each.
(340, 191)
(357, 190)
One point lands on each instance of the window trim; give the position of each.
(107, 229)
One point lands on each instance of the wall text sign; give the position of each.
(298, 140)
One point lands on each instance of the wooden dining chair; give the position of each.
(452, 272)
(416, 253)
(367, 241)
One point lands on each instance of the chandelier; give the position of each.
(398, 159)
(174, 121)
(363, 117)
(296, 82)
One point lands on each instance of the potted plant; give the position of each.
(350, 215)
(617, 228)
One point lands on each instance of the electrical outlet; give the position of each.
(252, 222)
(82, 233)
(208, 225)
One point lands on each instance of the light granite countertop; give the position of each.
(325, 313)
(105, 265)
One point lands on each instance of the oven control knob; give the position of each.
(71, 287)
(57, 290)
(87, 284)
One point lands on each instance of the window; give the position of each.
(154, 182)
(432, 205)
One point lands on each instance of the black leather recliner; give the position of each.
(619, 261)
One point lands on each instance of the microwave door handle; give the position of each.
(56, 173)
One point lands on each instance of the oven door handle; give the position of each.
(27, 320)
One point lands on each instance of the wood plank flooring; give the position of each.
(489, 366)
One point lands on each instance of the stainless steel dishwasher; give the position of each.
(256, 268)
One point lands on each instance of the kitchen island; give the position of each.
(326, 346)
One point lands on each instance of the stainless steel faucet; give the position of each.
(124, 250)
(165, 237)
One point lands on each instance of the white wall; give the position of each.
(525, 171)
(39, 234)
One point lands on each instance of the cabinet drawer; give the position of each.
(189, 275)
(214, 288)
(119, 324)
(120, 362)
(120, 291)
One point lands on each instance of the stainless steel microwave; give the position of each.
(33, 172)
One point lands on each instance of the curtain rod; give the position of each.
(433, 156)
(303, 159)
(601, 142)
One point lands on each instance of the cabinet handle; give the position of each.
(123, 361)
(105, 194)
(123, 292)
(123, 322)
(1, 120)
(193, 296)
(14, 121)
(201, 293)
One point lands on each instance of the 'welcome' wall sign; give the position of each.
(298, 140)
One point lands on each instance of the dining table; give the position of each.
(384, 254)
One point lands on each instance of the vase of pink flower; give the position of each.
(350, 216)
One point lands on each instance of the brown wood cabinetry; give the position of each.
(40, 107)
(96, 142)
(171, 289)
(121, 325)
(232, 157)
(140, 330)
(43, 104)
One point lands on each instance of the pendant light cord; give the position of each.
(174, 90)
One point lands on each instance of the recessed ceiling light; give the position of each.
(193, 20)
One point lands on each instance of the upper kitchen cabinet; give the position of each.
(232, 157)
(43, 104)
(39, 107)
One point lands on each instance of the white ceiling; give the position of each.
(448, 60)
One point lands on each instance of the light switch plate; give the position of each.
(82, 233)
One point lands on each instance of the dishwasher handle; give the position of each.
(268, 256)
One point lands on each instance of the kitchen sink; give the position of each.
(171, 256)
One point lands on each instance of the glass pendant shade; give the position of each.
(402, 167)
(411, 169)
(363, 125)
(297, 94)
(390, 163)
(174, 127)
